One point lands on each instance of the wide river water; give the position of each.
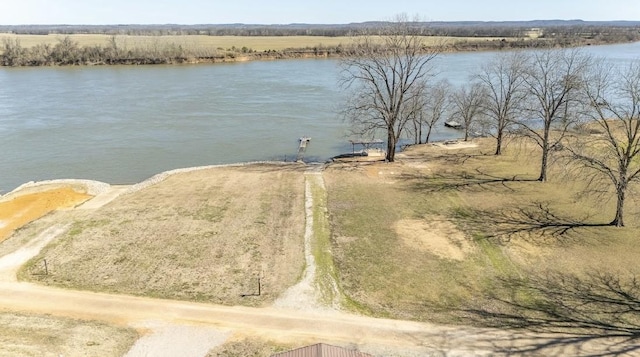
(123, 124)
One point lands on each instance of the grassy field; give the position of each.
(34, 335)
(462, 236)
(444, 235)
(205, 236)
(202, 43)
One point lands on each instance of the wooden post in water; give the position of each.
(303, 146)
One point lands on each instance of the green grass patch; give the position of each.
(391, 252)
(321, 246)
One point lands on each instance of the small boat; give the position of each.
(453, 124)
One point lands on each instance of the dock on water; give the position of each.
(304, 141)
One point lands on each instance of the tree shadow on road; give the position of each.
(597, 314)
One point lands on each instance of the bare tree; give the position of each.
(468, 106)
(433, 106)
(612, 154)
(553, 80)
(502, 80)
(385, 74)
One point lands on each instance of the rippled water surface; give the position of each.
(122, 124)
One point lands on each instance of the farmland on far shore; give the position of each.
(204, 42)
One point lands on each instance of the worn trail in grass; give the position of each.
(317, 290)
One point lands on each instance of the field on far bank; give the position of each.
(203, 43)
(463, 236)
(36, 335)
(205, 235)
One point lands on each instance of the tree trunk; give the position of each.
(466, 133)
(499, 142)
(543, 164)
(391, 145)
(618, 221)
(426, 141)
(545, 152)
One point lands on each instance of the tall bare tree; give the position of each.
(468, 106)
(552, 81)
(612, 155)
(502, 79)
(385, 73)
(432, 108)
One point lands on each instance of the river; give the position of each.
(122, 124)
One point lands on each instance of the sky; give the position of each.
(73, 12)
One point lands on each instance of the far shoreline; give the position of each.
(108, 50)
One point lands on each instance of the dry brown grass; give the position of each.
(248, 347)
(516, 227)
(35, 335)
(202, 42)
(205, 235)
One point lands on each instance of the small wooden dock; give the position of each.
(304, 141)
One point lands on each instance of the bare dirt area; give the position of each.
(41, 335)
(435, 235)
(169, 340)
(17, 209)
(205, 235)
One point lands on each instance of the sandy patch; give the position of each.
(22, 209)
(89, 187)
(176, 340)
(451, 145)
(434, 235)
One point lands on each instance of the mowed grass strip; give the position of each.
(205, 236)
(39, 335)
(396, 232)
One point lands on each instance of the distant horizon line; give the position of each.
(331, 24)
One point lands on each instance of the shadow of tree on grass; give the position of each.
(464, 180)
(534, 219)
(602, 309)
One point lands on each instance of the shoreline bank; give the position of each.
(94, 187)
(189, 52)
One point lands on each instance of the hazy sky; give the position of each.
(14, 12)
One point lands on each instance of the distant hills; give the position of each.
(478, 28)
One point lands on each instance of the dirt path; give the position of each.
(10, 263)
(305, 295)
(274, 323)
(370, 334)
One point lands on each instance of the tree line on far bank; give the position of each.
(68, 52)
(573, 107)
(505, 36)
(604, 31)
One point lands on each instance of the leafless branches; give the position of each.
(613, 97)
(386, 75)
(503, 82)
